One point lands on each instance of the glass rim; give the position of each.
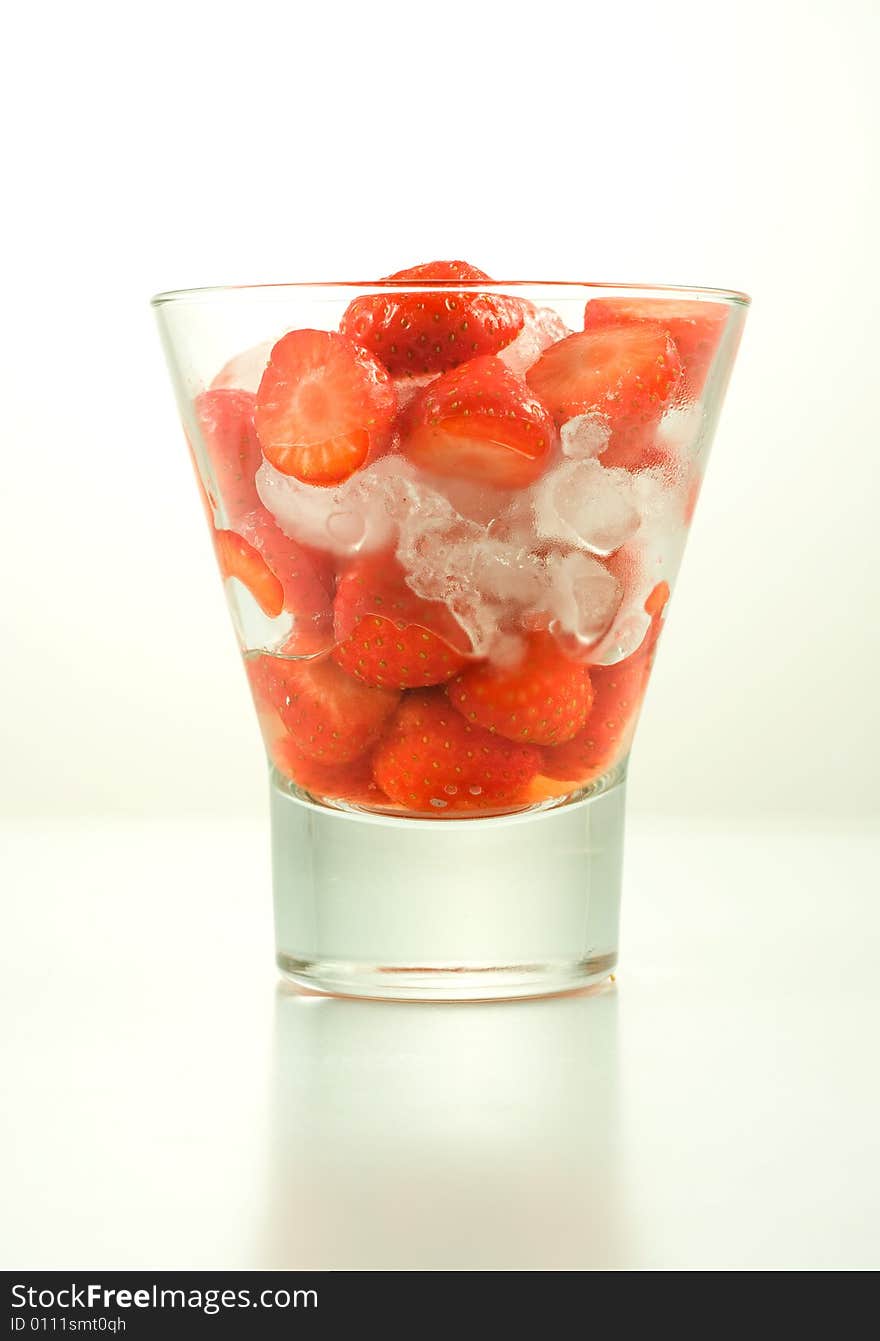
(560, 288)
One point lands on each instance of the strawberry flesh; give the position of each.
(694, 327)
(324, 407)
(479, 422)
(628, 374)
(237, 558)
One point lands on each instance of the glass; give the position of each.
(449, 515)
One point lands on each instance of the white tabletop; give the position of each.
(169, 1106)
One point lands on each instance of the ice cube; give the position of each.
(581, 503)
(499, 578)
(541, 329)
(625, 636)
(584, 436)
(437, 549)
(244, 372)
(507, 649)
(681, 429)
(479, 502)
(582, 598)
(358, 516)
(661, 501)
(407, 388)
(508, 574)
(660, 498)
(486, 581)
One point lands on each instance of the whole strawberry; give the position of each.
(544, 700)
(432, 760)
(619, 691)
(349, 781)
(226, 422)
(387, 635)
(331, 718)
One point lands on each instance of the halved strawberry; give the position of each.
(694, 327)
(479, 422)
(238, 558)
(388, 636)
(226, 421)
(619, 691)
(629, 374)
(324, 407)
(432, 760)
(304, 582)
(417, 333)
(655, 604)
(545, 699)
(331, 717)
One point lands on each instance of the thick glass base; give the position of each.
(456, 910)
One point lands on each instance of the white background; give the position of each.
(183, 145)
(718, 1109)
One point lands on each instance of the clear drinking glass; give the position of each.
(448, 514)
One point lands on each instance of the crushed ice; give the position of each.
(541, 329)
(584, 436)
(581, 503)
(245, 371)
(537, 565)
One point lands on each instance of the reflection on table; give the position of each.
(462, 1136)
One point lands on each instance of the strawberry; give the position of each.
(346, 782)
(238, 558)
(627, 373)
(324, 407)
(305, 581)
(226, 421)
(417, 333)
(655, 604)
(479, 421)
(390, 637)
(694, 327)
(352, 781)
(432, 760)
(619, 691)
(331, 718)
(545, 699)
